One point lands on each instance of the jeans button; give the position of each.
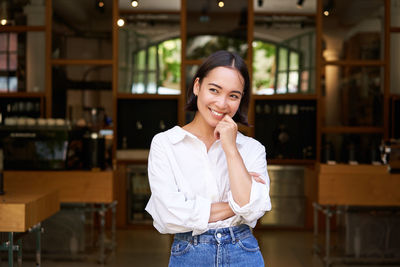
(219, 235)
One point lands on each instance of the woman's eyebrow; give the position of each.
(238, 92)
(216, 85)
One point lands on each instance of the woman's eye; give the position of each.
(235, 96)
(213, 90)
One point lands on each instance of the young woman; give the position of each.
(209, 182)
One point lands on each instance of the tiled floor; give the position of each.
(148, 248)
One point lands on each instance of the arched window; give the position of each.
(285, 67)
(156, 68)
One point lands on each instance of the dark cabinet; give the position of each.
(140, 119)
(286, 128)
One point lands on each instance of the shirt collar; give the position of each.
(177, 134)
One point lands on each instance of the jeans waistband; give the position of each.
(219, 235)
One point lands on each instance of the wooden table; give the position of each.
(91, 187)
(352, 185)
(358, 185)
(22, 210)
(74, 186)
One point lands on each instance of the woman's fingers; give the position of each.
(258, 180)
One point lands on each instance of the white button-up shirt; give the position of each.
(185, 179)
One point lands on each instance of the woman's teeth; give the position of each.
(216, 113)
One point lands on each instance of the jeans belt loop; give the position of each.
(195, 239)
(232, 235)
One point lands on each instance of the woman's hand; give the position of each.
(220, 211)
(226, 131)
(257, 177)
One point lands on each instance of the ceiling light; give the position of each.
(328, 7)
(221, 3)
(121, 22)
(100, 3)
(300, 3)
(3, 22)
(135, 3)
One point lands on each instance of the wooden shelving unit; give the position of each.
(291, 162)
(145, 96)
(356, 63)
(82, 62)
(22, 28)
(352, 130)
(383, 63)
(22, 95)
(394, 29)
(285, 97)
(26, 94)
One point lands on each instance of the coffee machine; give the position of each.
(94, 143)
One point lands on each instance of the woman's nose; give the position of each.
(222, 103)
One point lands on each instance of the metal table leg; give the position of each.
(327, 236)
(19, 252)
(315, 246)
(113, 227)
(10, 249)
(38, 230)
(102, 229)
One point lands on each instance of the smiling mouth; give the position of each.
(216, 113)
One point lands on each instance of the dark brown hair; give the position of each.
(229, 60)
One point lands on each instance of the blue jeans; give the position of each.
(233, 246)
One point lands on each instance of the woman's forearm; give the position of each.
(239, 178)
(220, 211)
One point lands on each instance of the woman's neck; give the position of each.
(201, 129)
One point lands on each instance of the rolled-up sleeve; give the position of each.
(259, 196)
(170, 208)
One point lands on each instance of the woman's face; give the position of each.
(219, 94)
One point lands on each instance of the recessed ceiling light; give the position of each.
(135, 3)
(121, 22)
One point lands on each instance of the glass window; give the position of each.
(283, 59)
(149, 54)
(355, 35)
(293, 82)
(157, 69)
(394, 63)
(12, 63)
(211, 28)
(3, 42)
(395, 13)
(294, 61)
(351, 148)
(289, 64)
(23, 12)
(353, 96)
(282, 83)
(3, 61)
(199, 47)
(264, 67)
(305, 79)
(81, 29)
(8, 62)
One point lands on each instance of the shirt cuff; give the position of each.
(259, 203)
(204, 209)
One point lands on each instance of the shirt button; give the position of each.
(219, 235)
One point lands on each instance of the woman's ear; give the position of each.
(196, 86)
